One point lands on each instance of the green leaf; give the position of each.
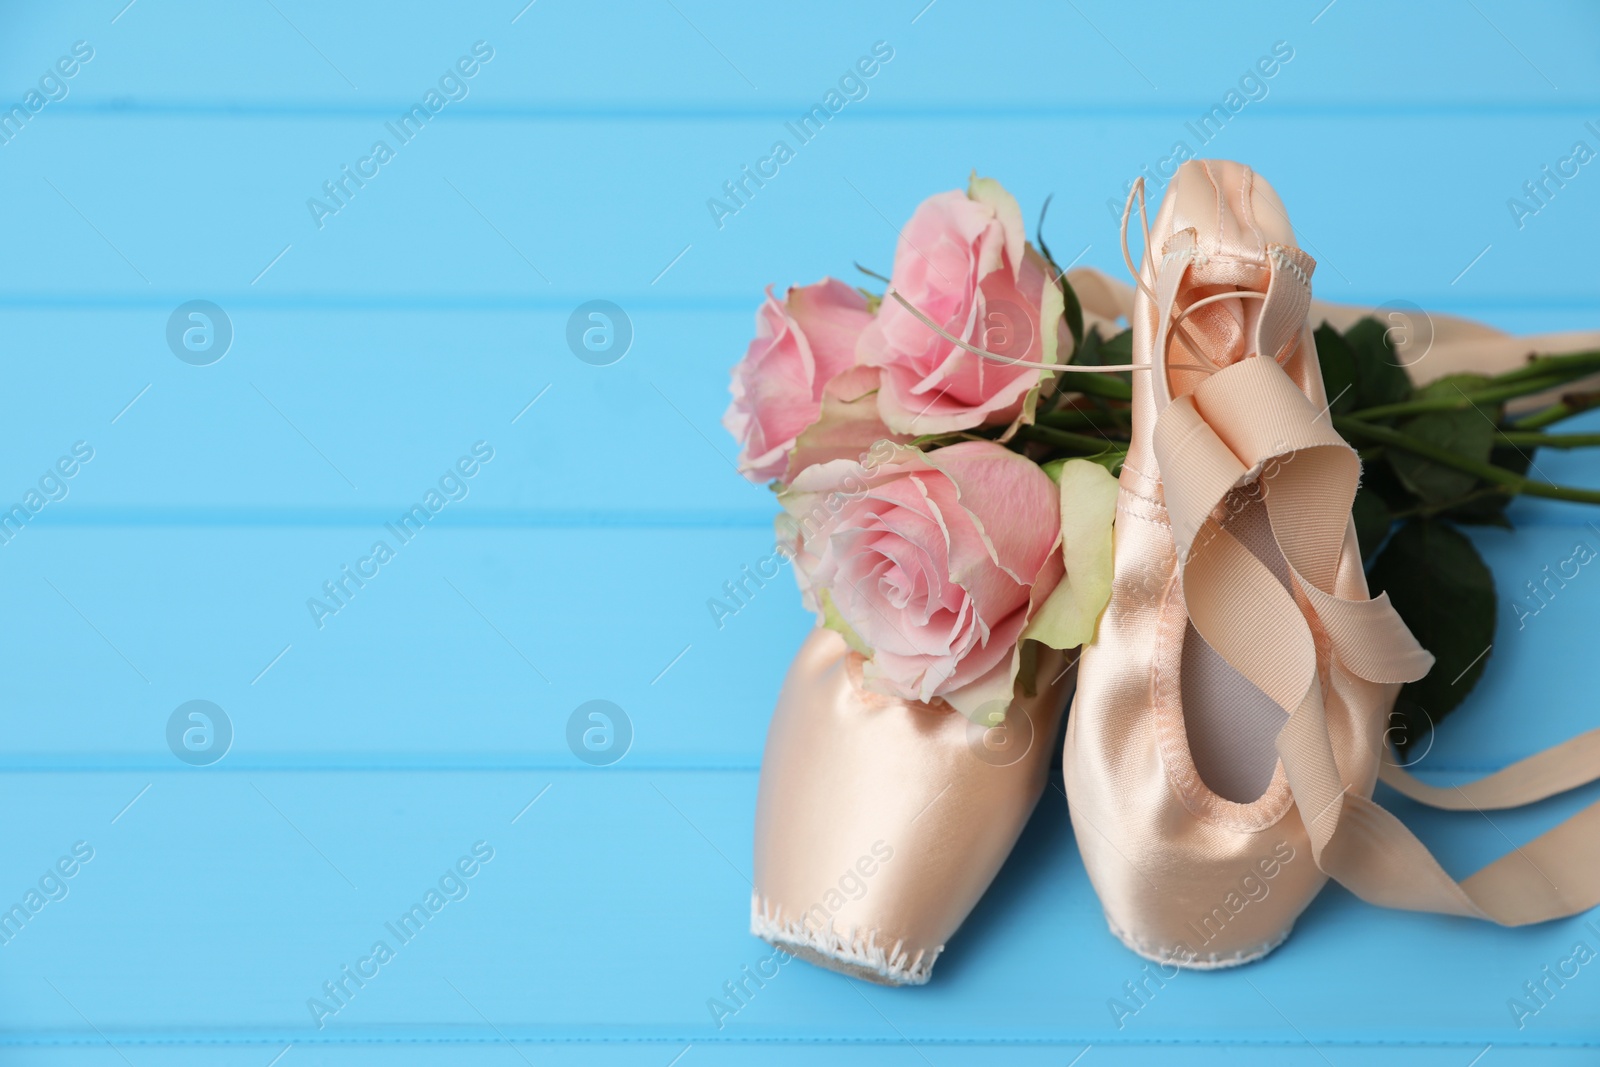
(1480, 509)
(1457, 386)
(1515, 459)
(1105, 386)
(1372, 521)
(1489, 509)
(1378, 479)
(1467, 433)
(1379, 377)
(1338, 363)
(1088, 353)
(1118, 349)
(1098, 352)
(1073, 311)
(1444, 592)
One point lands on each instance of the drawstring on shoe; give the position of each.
(1144, 224)
(1206, 365)
(995, 357)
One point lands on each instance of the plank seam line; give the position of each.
(543, 767)
(882, 115)
(304, 1038)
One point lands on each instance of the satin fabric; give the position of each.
(1184, 875)
(879, 821)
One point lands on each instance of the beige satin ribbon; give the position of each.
(1250, 420)
(1556, 770)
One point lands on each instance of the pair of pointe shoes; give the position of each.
(1228, 724)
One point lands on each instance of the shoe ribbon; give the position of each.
(1250, 423)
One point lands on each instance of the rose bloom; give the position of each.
(802, 345)
(931, 564)
(963, 261)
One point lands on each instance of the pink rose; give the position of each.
(963, 260)
(929, 563)
(802, 345)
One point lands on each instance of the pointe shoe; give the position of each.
(1180, 805)
(880, 821)
(1229, 722)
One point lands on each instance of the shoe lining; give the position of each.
(1232, 726)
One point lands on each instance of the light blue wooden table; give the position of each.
(374, 347)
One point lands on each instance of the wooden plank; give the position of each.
(612, 909)
(551, 213)
(473, 647)
(469, 646)
(320, 416)
(712, 55)
(492, 1050)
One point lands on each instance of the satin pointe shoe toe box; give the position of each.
(880, 822)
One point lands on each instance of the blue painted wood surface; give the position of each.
(429, 314)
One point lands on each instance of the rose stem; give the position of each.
(1516, 483)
